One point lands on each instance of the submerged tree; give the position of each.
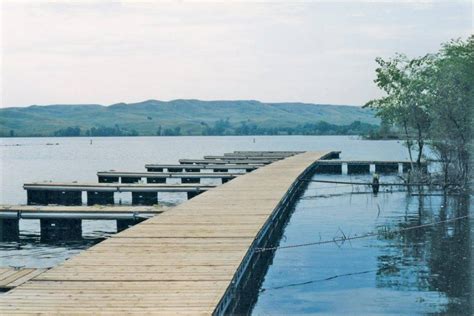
(430, 100)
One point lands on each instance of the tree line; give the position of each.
(224, 127)
(95, 131)
(429, 102)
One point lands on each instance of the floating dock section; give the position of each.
(45, 193)
(364, 167)
(65, 222)
(161, 177)
(191, 259)
(201, 167)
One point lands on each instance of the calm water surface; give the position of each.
(424, 271)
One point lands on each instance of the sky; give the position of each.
(102, 52)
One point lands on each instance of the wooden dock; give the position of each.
(337, 166)
(199, 168)
(61, 222)
(44, 193)
(13, 277)
(160, 177)
(189, 260)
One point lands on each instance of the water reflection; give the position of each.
(427, 270)
(436, 258)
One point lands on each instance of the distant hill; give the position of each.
(184, 117)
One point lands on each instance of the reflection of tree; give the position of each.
(451, 256)
(436, 258)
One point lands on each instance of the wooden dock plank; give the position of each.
(28, 276)
(180, 262)
(79, 212)
(82, 209)
(12, 277)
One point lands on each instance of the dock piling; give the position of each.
(344, 168)
(155, 180)
(221, 170)
(175, 169)
(144, 198)
(55, 229)
(155, 169)
(358, 168)
(98, 197)
(131, 179)
(372, 168)
(400, 168)
(190, 180)
(103, 179)
(43, 197)
(9, 229)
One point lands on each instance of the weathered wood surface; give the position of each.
(11, 277)
(180, 262)
(82, 209)
(78, 212)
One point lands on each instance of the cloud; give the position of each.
(108, 52)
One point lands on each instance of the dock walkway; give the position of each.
(188, 260)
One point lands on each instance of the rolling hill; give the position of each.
(184, 117)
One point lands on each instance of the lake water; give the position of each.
(423, 271)
(427, 271)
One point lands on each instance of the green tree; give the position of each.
(451, 88)
(431, 99)
(406, 104)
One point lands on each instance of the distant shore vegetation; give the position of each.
(222, 127)
(186, 117)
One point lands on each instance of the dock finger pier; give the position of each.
(197, 258)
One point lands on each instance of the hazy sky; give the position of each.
(313, 51)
